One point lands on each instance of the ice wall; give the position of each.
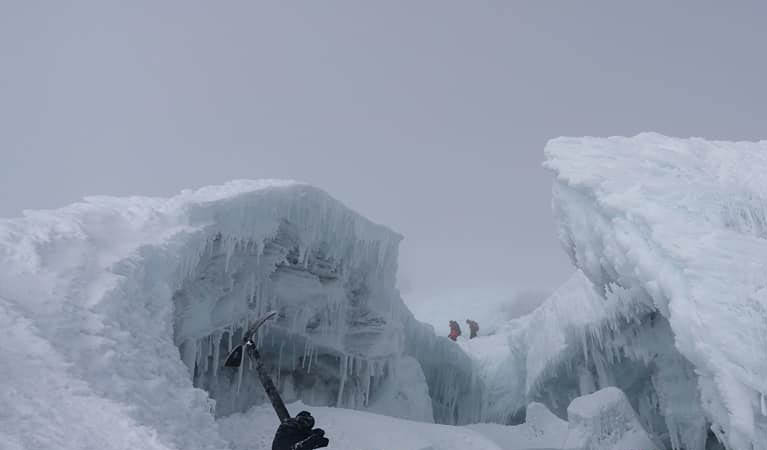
(680, 227)
(343, 337)
(329, 272)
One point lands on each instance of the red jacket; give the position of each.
(455, 330)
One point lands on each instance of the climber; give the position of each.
(455, 330)
(473, 328)
(298, 433)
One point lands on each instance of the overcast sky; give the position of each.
(426, 116)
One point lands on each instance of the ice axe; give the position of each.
(237, 357)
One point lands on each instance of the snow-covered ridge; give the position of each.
(110, 291)
(681, 226)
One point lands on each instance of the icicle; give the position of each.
(229, 251)
(239, 372)
(343, 370)
(216, 354)
(204, 354)
(312, 352)
(197, 357)
(366, 387)
(279, 363)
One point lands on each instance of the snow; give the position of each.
(541, 430)
(605, 420)
(352, 430)
(680, 225)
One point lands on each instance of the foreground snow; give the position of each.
(602, 420)
(352, 430)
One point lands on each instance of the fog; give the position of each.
(429, 117)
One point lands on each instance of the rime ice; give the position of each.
(677, 231)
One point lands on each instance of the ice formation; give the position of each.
(127, 306)
(541, 430)
(605, 420)
(673, 235)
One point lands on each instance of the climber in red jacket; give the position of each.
(455, 330)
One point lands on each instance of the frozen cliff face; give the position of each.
(580, 341)
(127, 306)
(678, 228)
(328, 272)
(343, 337)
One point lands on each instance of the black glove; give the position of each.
(298, 434)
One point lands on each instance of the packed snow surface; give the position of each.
(541, 430)
(352, 430)
(680, 224)
(605, 420)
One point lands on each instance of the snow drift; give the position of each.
(354, 430)
(673, 235)
(127, 306)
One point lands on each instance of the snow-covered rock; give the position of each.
(127, 306)
(678, 228)
(604, 420)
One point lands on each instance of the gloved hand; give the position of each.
(299, 433)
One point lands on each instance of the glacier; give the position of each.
(128, 306)
(672, 234)
(123, 309)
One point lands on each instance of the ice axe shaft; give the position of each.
(237, 357)
(268, 384)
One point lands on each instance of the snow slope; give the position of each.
(602, 420)
(127, 306)
(541, 430)
(682, 226)
(352, 430)
(605, 420)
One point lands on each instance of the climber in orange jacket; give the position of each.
(455, 330)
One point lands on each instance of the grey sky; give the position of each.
(427, 116)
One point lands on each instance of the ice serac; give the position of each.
(128, 306)
(343, 336)
(580, 341)
(677, 231)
